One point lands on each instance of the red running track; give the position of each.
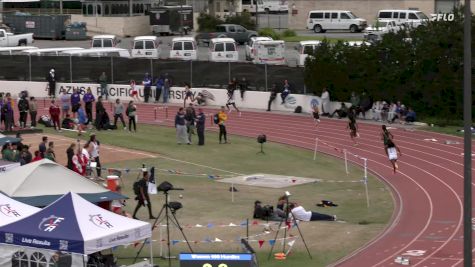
(426, 225)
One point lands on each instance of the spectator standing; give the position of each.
(33, 108)
(166, 89)
(25, 155)
(147, 87)
(133, 91)
(230, 91)
(285, 91)
(180, 125)
(88, 99)
(51, 78)
(7, 110)
(325, 102)
(273, 95)
(54, 112)
(222, 118)
(131, 112)
(83, 120)
(23, 108)
(65, 104)
(158, 88)
(7, 152)
(190, 117)
(100, 111)
(118, 113)
(95, 147)
(79, 162)
(142, 197)
(50, 152)
(42, 146)
(200, 126)
(70, 154)
(75, 102)
(243, 87)
(103, 83)
(86, 154)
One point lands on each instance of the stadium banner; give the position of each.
(214, 97)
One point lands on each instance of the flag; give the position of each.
(210, 225)
(243, 223)
(261, 242)
(232, 224)
(175, 241)
(217, 240)
(272, 242)
(291, 243)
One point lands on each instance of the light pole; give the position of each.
(467, 121)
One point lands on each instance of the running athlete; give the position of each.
(316, 115)
(231, 88)
(188, 94)
(392, 151)
(353, 126)
(386, 136)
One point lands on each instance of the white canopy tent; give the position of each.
(12, 210)
(42, 182)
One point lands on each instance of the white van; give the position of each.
(275, 6)
(49, 51)
(323, 20)
(223, 50)
(183, 48)
(146, 47)
(252, 43)
(100, 41)
(305, 48)
(99, 52)
(8, 51)
(269, 52)
(414, 18)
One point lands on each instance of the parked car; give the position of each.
(275, 6)
(104, 41)
(8, 39)
(240, 34)
(376, 31)
(223, 50)
(251, 45)
(146, 47)
(269, 52)
(183, 48)
(304, 49)
(412, 18)
(323, 20)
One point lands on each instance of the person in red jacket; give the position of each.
(55, 112)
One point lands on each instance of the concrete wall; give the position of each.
(366, 9)
(120, 26)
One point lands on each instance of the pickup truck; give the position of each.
(240, 34)
(376, 32)
(9, 39)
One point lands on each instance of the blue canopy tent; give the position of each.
(74, 225)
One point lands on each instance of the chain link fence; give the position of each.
(122, 70)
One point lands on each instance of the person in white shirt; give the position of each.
(325, 102)
(95, 153)
(301, 214)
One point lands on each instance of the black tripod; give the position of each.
(168, 218)
(262, 149)
(287, 213)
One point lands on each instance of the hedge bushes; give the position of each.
(425, 73)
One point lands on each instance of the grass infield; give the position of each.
(208, 203)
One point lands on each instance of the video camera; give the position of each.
(262, 212)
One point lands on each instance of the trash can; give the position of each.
(112, 182)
